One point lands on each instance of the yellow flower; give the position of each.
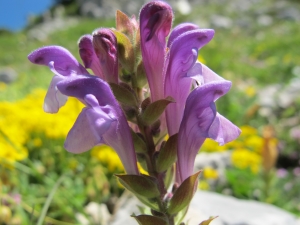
(255, 143)
(243, 159)
(108, 157)
(24, 117)
(212, 146)
(210, 173)
(248, 130)
(203, 185)
(250, 91)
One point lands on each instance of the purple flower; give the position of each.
(155, 24)
(89, 56)
(102, 121)
(63, 64)
(105, 46)
(182, 68)
(201, 121)
(281, 173)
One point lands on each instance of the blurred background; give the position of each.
(256, 46)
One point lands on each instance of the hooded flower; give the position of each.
(99, 53)
(201, 121)
(185, 42)
(63, 64)
(105, 46)
(155, 24)
(88, 55)
(102, 121)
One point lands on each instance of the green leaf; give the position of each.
(139, 144)
(184, 194)
(169, 175)
(141, 75)
(167, 155)
(207, 222)
(124, 24)
(150, 220)
(125, 51)
(154, 110)
(140, 184)
(151, 203)
(123, 94)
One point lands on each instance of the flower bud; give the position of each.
(155, 25)
(105, 46)
(88, 55)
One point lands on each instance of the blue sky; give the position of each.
(14, 13)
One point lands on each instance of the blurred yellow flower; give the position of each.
(210, 173)
(244, 158)
(250, 91)
(108, 157)
(248, 130)
(212, 146)
(20, 119)
(203, 185)
(255, 143)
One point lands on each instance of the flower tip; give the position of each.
(85, 40)
(155, 16)
(104, 40)
(104, 33)
(35, 57)
(210, 33)
(86, 50)
(155, 6)
(48, 109)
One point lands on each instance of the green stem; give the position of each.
(49, 199)
(267, 178)
(171, 220)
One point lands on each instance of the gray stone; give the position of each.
(42, 31)
(8, 75)
(230, 211)
(97, 214)
(221, 21)
(274, 96)
(217, 160)
(183, 7)
(265, 20)
(290, 13)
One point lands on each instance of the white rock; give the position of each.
(98, 212)
(230, 211)
(184, 7)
